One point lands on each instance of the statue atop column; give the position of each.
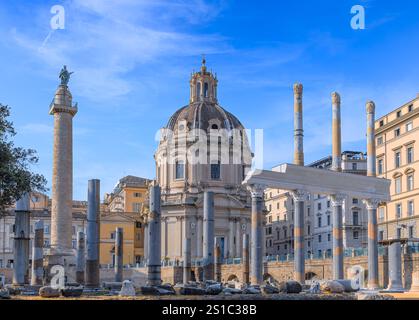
(65, 75)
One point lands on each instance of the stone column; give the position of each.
(164, 236)
(208, 245)
(154, 238)
(119, 255)
(337, 202)
(199, 231)
(336, 133)
(186, 260)
(372, 204)
(373, 277)
(238, 238)
(298, 125)
(245, 258)
(146, 240)
(93, 234)
(299, 254)
(62, 172)
(371, 150)
(231, 249)
(217, 258)
(21, 241)
(256, 258)
(38, 255)
(395, 267)
(81, 257)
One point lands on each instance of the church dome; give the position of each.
(202, 144)
(203, 115)
(203, 111)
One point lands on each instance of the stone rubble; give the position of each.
(71, 291)
(127, 289)
(4, 294)
(155, 291)
(332, 286)
(290, 286)
(347, 285)
(214, 289)
(49, 292)
(269, 289)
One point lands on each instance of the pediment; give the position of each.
(117, 216)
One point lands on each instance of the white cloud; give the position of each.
(104, 41)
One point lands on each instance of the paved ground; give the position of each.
(406, 296)
(207, 298)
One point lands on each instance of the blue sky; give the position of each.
(132, 61)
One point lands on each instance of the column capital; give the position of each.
(370, 107)
(298, 89)
(299, 195)
(256, 190)
(337, 199)
(371, 204)
(335, 98)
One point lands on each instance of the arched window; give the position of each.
(198, 89)
(180, 169)
(206, 90)
(215, 171)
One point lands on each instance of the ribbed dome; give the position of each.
(202, 115)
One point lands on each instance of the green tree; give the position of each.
(16, 176)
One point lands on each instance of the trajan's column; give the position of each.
(62, 172)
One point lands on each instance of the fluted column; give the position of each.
(186, 260)
(93, 234)
(80, 257)
(336, 133)
(146, 239)
(231, 249)
(199, 231)
(337, 203)
(217, 258)
(238, 238)
(208, 245)
(119, 243)
(164, 236)
(298, 125)
(371, 150)
(245, 258)
(373, 281)
(38, 254)
(299, 257)
(395, 266)
(256, 258)
(21, 241)
(154, 241)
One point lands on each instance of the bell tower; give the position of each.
(203, 85)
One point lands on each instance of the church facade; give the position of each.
(203, 147)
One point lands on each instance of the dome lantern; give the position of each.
(203, 85)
